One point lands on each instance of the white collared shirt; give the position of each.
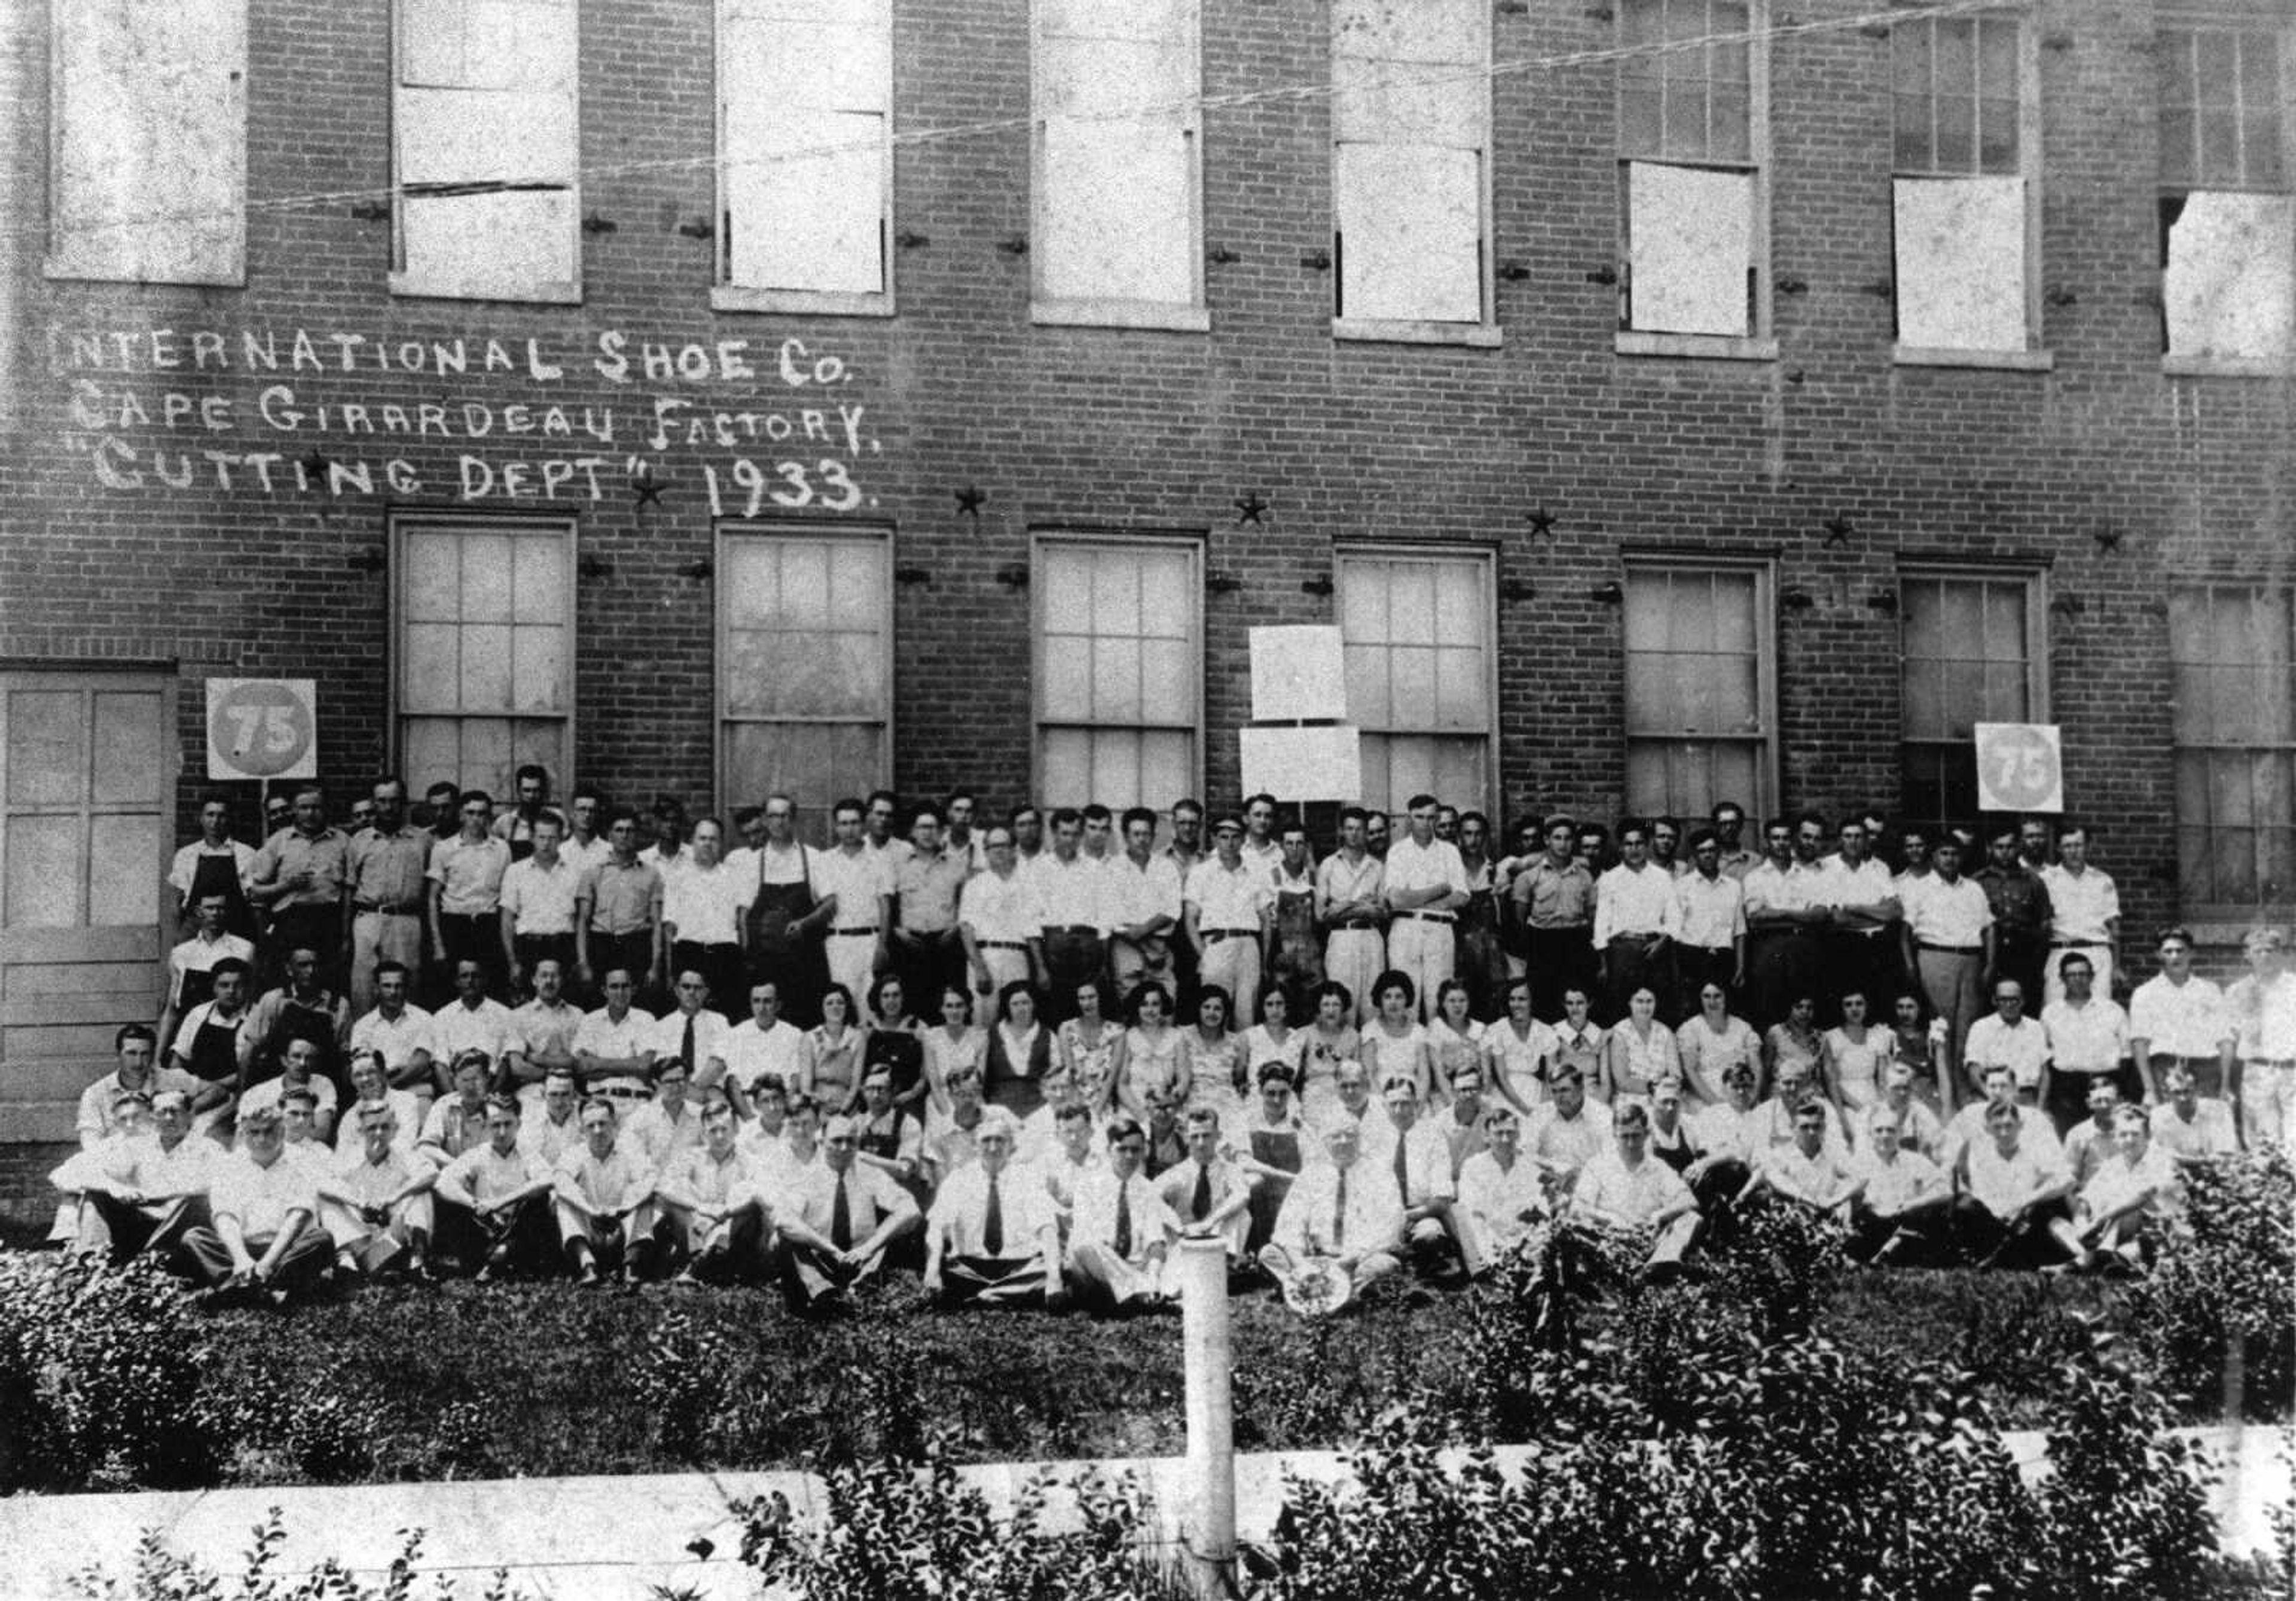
(860, 879)
(1000, 910)
(1631, 901)
(2091, 1038)
(1710, 912)
(541, 899)
(2179, 1020)
(2080, 905)
(1227, 899)
(705, 903)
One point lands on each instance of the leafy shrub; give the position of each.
(681, 1383)
(163, 1575)
(2217, 1312)
(100, 1377)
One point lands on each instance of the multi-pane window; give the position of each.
(1120, 649)
(1417, 629)
(805, 132)
(2235, 675)
(487, 142)
(1690, 150)
(150, 147)
(1411, 112)
(2227, 219)
(805, 659)
(484, 657)
(1960, 197)
(1117, 179)
(1971, 654)
(1700, 689)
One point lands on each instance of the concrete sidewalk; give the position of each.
(617, 1539)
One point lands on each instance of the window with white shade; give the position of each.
(1118, 234)
(805, 666)
(483, 647)
(149, 141)
(487, 137)
(1972, 651)
(1702, 688)
(1691, 142)
(2233, 653)
(805, 153)
(2227, 218)
(1120, 653)
(1411, 114)
(1963, 185)
(1417, 628)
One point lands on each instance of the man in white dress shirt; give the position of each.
(1144, 902)
(836, 1217)
(997, 920)
(1350, 905)
(856, 885)
(2088, 1040)
(1121, 1234)
(1424, 884)
(1635, 920)
(992, 1238)
(2263, 1009)
(2084, 913)
(1340, 1229)
(1229, 901)
(1501, 1197)
(2177, 1018)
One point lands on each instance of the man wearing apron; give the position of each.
(301, 1008)
(1296, 960)
(191, 965)
(210, 1047)
(1482, 964)
(785, 933)
(215, 864)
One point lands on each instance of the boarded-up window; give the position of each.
(1690, 177)
(1700, 689)
(485, 668)
(2227, 227)
(1120, 649)
(2235, 740)
(1117, 83)
(1416, 628)
(150, 119)
(489, 150)
(807, 152)
(1971, 655)
(1411, 105)
(1961, 191)
(805, 688)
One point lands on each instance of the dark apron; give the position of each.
(219, 875)
(1018, 1088)
(214, 1052)
(798, 966)
(196, 989)
(900, 1051)
(1482, 964)
(1299, 956)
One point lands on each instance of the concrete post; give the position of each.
(1208, 1528)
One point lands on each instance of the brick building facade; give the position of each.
(1675, 544)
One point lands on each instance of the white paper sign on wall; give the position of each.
(1302, 764)
(1298, 675)
(262, 729)
(2020, 768)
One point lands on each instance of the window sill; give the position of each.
(800, 302)
(1999, 361)
(406, 286)
(1120, 313)
(1404, 330)
(63, 269)
(2212, 928)
(1707, 347)
(2222, 366)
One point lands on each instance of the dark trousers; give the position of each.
(473, 937)
(1073, 958)
(1986, 1241)
(991, 1281)
(521, 1234)
(2020, 955)
(632, 951)
(212, 1260)
(927, 963)
(1695, 966)
(1716, 1190)
(810, 1276)
(721, 967)
(1873, 964)
(1779, 967)
(1628, 964)
(535, 948)
(1558, 959)
(1903, 1241)
(313, 928)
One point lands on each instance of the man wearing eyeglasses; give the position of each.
(836, 1217)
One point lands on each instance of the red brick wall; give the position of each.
(1161, 431)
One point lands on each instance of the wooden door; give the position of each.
(87, 773)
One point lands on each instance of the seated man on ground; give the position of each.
(1340, 1230)
(949, 1136)
(654, 1131)
(489, 1200)
(556, 1128)
(1919, 1127)
(148, 1192)
(260, 1237)
(1072, 1157)
(2190, 1127)
(2131, 1201)
(1805, 1173)
(370, 1087)
(714, 1206)
(1971, 1128)
(1727, 1139)
(602, 1193)
(1122, 1232)
(991, 1238)
(2088, 1144)
(1501, 1196)
(106, 1163)
(2012, 1211)
(836, 1217)
(1568, 1132)
(298, 1069)
(1774, 1120)
(1631, 1197)
(1421, 1164)
(376, 1207)
(457, 1122)
(1899, 1217)
(1208, 1195)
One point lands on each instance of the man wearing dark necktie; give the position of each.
(1342, 1222)
(1210, 1192)
(1121, 1231)
(826, 1209)
(992, 1236)
(1423, 1178)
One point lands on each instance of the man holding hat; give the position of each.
(992, 1236)
(836, 1217)
(1341, 1227)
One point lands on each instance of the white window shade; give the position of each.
(1690, 232)
(1961, 282)
(2229, 288)
(151, 140)
(1410, 232)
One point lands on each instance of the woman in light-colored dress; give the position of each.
(1271, 1038)
(1639, 1053)
(1454, 1037)
(1797, 1040)
(1858, 1052)
(1520, 1049)
(1710, 1042)
(1154, 1058)
(1331, 1039)
(954, 1046)
(1211, 1056)
(1394, 1044)
(1092, 1049)
(837, 1044)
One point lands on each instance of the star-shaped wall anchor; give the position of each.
(315, 462)
(2108, 540)
(1542, 523)
(1250, 509)
(1838, 531)
(646, 487)
(968, 502)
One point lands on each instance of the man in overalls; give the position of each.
(1295, 959)
(1482, 964)
(301, 1008)
(215, 864)
(787, 919)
